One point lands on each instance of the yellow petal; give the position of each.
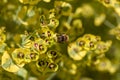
(8, 64)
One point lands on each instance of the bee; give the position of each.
(62, 38)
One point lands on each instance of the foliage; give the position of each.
(59, 39)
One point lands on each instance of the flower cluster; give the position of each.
(116, 32)
(36, 46)
(92, 49)
(82, 46)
